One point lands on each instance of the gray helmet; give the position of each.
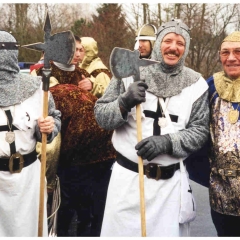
(146, 32)
(177, 23)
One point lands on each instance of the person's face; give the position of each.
(145, 48)
(230, 58)
(79, 54)
(172, 48)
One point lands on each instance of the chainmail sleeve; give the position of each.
(196, 133)
(106, 110)
(56, 114)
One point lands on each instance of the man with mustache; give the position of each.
(224, 95)
(175, 116)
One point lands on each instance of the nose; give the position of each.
(77, 53)
(231, 56)
(173, 45)
(140, 44)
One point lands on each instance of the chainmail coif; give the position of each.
(14, 86)
(164, 80)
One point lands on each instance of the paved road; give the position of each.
(202, 226)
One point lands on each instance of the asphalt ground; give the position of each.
(202, 226)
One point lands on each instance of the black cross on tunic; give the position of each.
(155, 116)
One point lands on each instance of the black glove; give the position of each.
(152, 146)
(134, 95)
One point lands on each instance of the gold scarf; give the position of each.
(226, 88)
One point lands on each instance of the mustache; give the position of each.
(172, 52)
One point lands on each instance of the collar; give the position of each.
(65, 67)
(226, 88)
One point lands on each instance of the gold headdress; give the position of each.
(233, 37)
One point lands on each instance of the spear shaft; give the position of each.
(141, 174)
(46, 77)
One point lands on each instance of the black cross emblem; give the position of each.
(155, 116)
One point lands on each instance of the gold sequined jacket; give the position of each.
(224, 186)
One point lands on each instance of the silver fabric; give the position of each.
(164, 80)
(14, 86)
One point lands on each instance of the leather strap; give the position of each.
(28, 159)
(152, 170)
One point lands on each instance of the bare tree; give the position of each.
(177, 10)
(110, 29)
(26, 22)
(209, 24)
(159, 14)
(145, 12)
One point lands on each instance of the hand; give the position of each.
(85, 84)
(46, 125)
(135, 94)
(152, 146)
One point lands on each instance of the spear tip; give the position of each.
(47, 25)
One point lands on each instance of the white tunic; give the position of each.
(162, 197)
(19, 192)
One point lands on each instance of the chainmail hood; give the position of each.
(164, 80)
(14, 87)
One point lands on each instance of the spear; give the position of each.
(59, 47)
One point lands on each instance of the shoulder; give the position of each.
(210, 81)
(198, 89)
(96, 72)
(190, 76)
(212, 88)
(82, 71)
(191, 72)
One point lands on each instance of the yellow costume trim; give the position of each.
(233, 37)
(226, 88)
(52, 155)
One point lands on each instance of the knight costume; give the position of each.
(183, 93)
(21, 106)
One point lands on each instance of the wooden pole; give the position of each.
(43, 168)
(141, 175)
